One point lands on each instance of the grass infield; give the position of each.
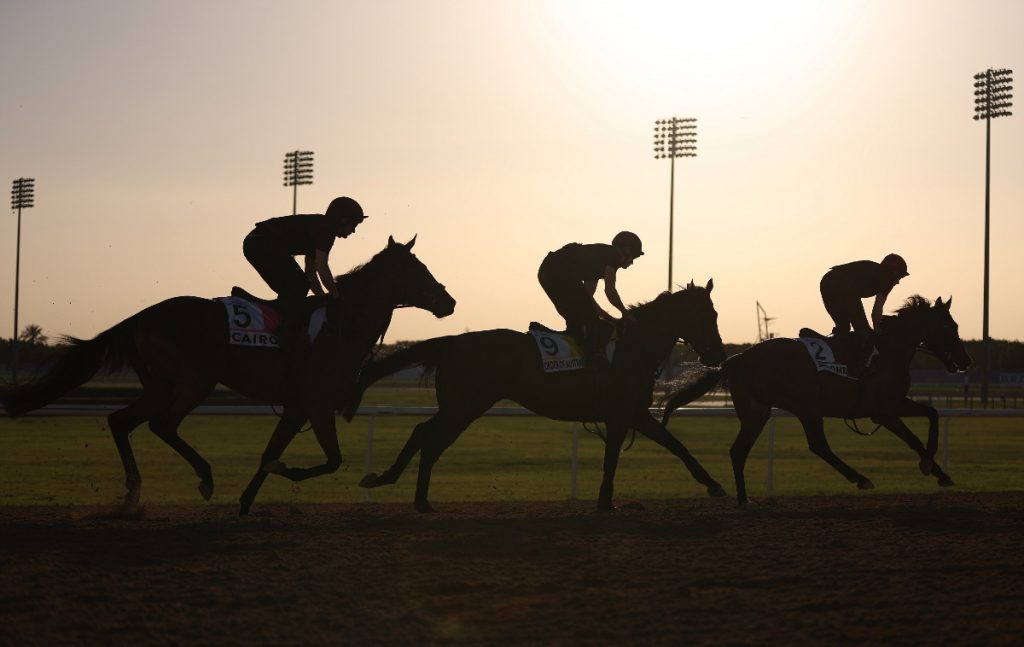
(71, 460)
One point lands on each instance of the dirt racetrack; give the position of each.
(938, 569)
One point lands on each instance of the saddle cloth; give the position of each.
(820, 350)
(257, 324)
(560, 352)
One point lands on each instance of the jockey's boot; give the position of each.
(594, 342)
(859, 345)
(295, 349)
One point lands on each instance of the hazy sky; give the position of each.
(498, 131)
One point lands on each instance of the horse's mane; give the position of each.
(914, 303)
(361, 275)
(641, 306)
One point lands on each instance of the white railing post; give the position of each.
(369, 453)
(771, 454)
(574, 461)
(945, 444)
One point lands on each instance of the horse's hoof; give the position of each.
(716, 490)
(926, 467)
(865, 484)
(945, 481)
(423, 507)
(369, 481)
(206, 488)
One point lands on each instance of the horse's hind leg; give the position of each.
(814, 429)
(122, 422)
(165, 425)
(753, 415)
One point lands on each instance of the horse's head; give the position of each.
(395, 277)
(695, 322)
(414, 285)
(942, 338)
(933, 327)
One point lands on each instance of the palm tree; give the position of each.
(33, 334)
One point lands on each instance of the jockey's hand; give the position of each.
(628, 319)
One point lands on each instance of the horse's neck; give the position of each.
(899, 345)
(649, 342)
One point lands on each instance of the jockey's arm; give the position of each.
(877, 308)
(323, 275)
(610, 292)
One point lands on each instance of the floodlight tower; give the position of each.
(298, 169)
(22, 197)
(992, 98)
(674, 138)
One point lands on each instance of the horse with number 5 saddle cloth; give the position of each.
(807, 378)
(183, 347)
(475, 370)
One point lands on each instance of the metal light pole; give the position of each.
(992, 98)
(22, 197)
(298, 169)
(674, 137)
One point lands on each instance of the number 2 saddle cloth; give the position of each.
(255, 322)
(829, 356)
(561, 352)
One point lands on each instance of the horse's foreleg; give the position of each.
(413, 445)
(814, 429)
(327, 436)
(612, 447)
(927, 463)
(290, 423)
(647, 425)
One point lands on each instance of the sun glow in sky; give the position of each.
(498, 131)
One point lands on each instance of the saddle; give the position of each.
(241, 293)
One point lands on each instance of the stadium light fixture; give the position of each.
(22, 197)
(673, 137)
(992, 98)
(298, 169)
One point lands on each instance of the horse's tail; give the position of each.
(690, 392)
(110, 350)
(426, 353)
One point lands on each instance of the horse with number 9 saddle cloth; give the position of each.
(559, 351)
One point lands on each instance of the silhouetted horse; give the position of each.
(179, 349)
(476, 369)
(780, 373)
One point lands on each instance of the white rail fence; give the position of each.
(945, 418)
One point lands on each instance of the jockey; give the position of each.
(569, 277)
(842, 289)
(272, 245)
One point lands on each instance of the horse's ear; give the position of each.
(391, 241)
(412, 242)
(690, 284)
(949, 301)
(938, 302)
(711, 285)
